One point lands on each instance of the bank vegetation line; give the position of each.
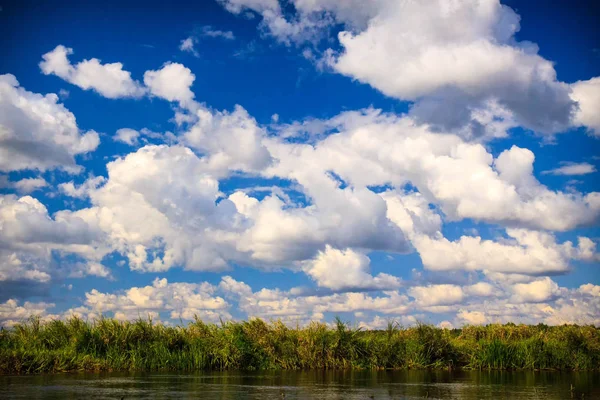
(111, 345)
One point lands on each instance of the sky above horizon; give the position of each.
(430, 161)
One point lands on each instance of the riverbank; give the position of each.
(111, 345)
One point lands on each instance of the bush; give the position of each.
(108, 344)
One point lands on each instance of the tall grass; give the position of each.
(107, 344)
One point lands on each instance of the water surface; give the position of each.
(326, 385)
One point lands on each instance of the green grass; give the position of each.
(110, 345)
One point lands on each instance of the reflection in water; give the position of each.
(287, 385)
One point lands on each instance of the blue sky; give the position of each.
(300, 160)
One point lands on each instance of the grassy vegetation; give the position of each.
(107, 344)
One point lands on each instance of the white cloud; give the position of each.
(437, 295)
(446, 325)
(28, 236)
(274, 23)
(172, 82)
(80, 270)
(64, 94)
(29, 185)
(81, 191)
(412, 213)
(572, 169)
(480, 289)
(135, 138)
(180, 300)
(237, 6)
(587, 95)
(529, 252)
(230, 140)
(208, 31)
(23, 186)
(17, 265)
(11, 313)
(333, 175)
(291, 307)
(346, 269)
(540, 301)
(127, 136)
(336, 190)
(459, 53)
(590, 289)
(381, 323)
(458, 61)
(37, 132)
(535, 292)
(109, 80)
(280, 233)
(158, 207)
(188, 44)
(463, 179)
(26, 219)
(472, 317)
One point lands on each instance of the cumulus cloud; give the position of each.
(172, 82)
(23, 186)
(229, 140)
(109, 80)
(81, 191)
(382, 323)
(535, 292)
(127, 136)
(136, 138)
(472, 317)
(420, 49)
(436, 295)
(37, 132)
(291, 307)
(159, 207)
(174, 193)
(590, 289)
(279, 233)
(481, 289)
(275, 24)
(29, 185)
(529, 252)
(160, 199)
(346, 269)
(539, 301)
(11, 313)
(29, 237)
(335, 190)
(459, 62)
(463, 179)
(180, 300)
(587, 96)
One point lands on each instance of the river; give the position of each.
(322, 385)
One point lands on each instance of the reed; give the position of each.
(110, 345)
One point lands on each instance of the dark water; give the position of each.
(307, 385)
